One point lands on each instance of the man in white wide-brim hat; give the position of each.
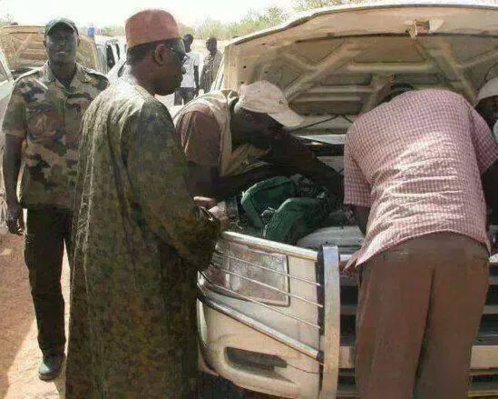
(228, 137)
(487, 103)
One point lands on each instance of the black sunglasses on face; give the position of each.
(178, 48)
(181, 56)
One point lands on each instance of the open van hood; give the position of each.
(23, 47)
(339, 60)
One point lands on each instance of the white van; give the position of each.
(6, 85)
(279, 319)
(110, 51)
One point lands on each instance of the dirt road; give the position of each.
(19, 354)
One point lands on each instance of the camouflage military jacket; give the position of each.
(210, 69)
(48, 116)
(139, 240)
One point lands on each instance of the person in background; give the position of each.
(45, 113)
(415, 169)
(211, 64)
(140, 238)
(487, 104)
(189, 87)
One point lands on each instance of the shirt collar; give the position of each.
(49, 77)
(81, 74)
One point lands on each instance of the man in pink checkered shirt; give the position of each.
(415, 168)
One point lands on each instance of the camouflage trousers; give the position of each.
(47, 231)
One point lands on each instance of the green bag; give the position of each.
(268, 194)
(296, 218)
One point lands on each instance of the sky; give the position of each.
(115, 12)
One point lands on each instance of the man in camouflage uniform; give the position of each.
(212, 63)
(140, 238)
(45, 112)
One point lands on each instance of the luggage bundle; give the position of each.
(286, 209)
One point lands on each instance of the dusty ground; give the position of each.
(19, 354)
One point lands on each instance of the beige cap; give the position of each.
(266, 98)
(490, 89)
(149, 26)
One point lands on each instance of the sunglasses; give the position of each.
(179, 50)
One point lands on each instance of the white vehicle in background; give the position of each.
(117, 70)
(110, 50)
(6, 84)
(279, 319)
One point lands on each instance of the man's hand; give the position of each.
(205, 202)
(349, 269)
(220, 212)
(15, 219)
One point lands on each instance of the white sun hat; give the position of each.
(490, 89)
(264, 97)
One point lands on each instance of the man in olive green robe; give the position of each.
(139, 237)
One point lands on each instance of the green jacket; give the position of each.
(139, 241)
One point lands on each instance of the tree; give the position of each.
(113, 30)
(254, 21)
(303, 5)
(184, 29)
(6, 19)
(249, 23)
(212, 28)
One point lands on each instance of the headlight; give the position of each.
(240, 271)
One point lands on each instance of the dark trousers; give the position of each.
(183, 95)
(418, 315)
(47, 231)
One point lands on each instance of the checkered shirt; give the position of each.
(417, 161)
